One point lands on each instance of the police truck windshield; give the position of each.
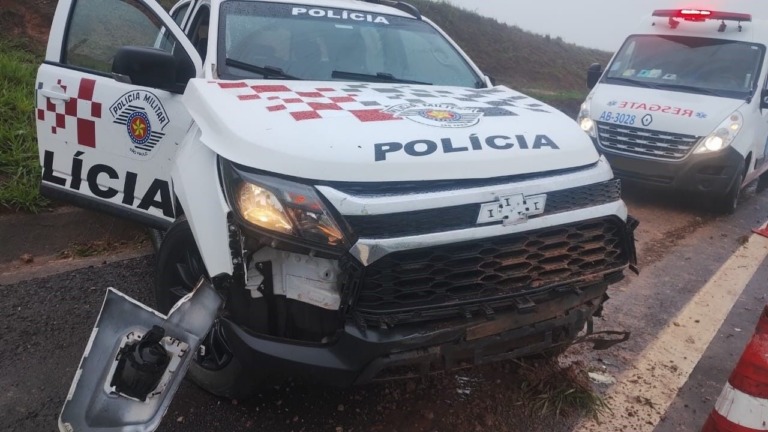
(688, 64)
(285, 41)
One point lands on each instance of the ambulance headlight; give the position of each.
(585, 119)
(588, 126)
(723, 135)
(281, 208)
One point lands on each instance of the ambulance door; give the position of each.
(109, 112)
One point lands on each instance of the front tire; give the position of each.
(727, 203)
(179, 267)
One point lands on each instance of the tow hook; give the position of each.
(141, 365)
(602, 340)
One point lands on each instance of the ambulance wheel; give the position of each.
(179, 269)
(727, 203)
(762, 183)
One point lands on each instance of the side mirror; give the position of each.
(764, 99)
(594, 73)
(147, 67)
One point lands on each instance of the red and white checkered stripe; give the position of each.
(309, 105)
(80, 112)
(743, 404)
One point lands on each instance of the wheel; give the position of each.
(727, 203)
(156, 238)
(763, 182)
(179, 268)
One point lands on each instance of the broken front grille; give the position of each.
(443, 219)
(645, 142)
(463, 278)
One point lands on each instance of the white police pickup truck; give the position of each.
(684, 105)
(342, 195)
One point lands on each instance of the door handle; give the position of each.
(51, 94)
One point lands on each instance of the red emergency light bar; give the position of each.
(702, 15)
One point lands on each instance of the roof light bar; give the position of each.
(702, 15)
(695, 13)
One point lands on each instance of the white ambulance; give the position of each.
(342, 195)
(683, 104)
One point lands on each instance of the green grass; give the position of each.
(552, 389)
(19, 163)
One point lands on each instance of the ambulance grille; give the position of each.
(492, 273)
(444, 219)
(645, 142)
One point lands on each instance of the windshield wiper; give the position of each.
(379, 77)
(631, 81)
(267, 71)
(687, 87)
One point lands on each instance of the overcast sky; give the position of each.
(594, 23)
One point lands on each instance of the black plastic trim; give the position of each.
(707, 172)
(442, 219)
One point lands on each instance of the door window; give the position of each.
(198, 31)
(98, 28)
(179, 14)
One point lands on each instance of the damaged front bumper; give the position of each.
(134, 362)
(360, 355)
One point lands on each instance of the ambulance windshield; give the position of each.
(688, 64)
(285, 41)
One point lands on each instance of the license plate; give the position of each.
(512, 209)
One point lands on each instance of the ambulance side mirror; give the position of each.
(146, 67)
(594, 73)
(764, 99)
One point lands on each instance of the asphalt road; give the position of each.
(45, 322)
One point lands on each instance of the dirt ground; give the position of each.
(27, 20)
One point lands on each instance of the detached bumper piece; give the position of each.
(141, 365)
(134, 362)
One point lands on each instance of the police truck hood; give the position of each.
(346, 131)
(661, 110)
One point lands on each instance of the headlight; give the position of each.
(261, 207)
(585, 120)
(723, 135)
(282, 208)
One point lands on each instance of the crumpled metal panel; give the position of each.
(92, 404)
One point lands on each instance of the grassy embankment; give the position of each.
(19, 166)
